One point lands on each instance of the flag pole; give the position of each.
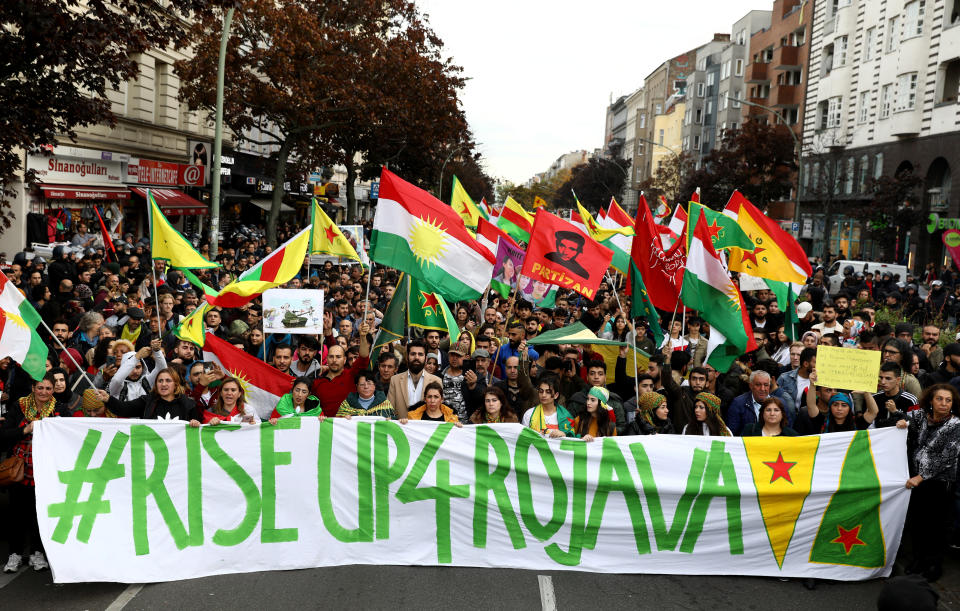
(153, 262)
(366, 299)
(67, 352)
(633, 346)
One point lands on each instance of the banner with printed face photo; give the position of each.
(560, 253)
(143, 500)
(507, 268)
(293, 311)
(537, 292)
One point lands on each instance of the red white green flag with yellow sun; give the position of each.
(416, 233)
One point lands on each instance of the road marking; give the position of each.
(125, 597)
(548, 600)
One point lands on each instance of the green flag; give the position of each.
(394, 323)
(641, 306)
(724, 230)
(786, 298)
(850, 533)
(429, 311)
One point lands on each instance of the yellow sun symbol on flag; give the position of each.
(428, 240)
(15, 319)
(244, 382)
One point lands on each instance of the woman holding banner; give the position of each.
(298, 402)
(16, 430)
(933, 440)
(598, 419)
(775, 423)
(496, 409)
(230, 405)
(167, 401)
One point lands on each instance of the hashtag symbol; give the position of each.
(81, 474)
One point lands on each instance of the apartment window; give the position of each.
(833, 111)
(701, 89)
(863, 174)
(686, 143)
(913, 18)
(878, 165)
(709, 107)
(741, 37)
(643, 121)
(848, 177)
(658, 108)
(863, 109)
(711, 79)
(725, 70)
(949, 81)
(722, 104)
(738, 70)
(696, 143)
(733, 126)
(885, 101)
(798, 37)
(822, 114)
(735, 103)
(827, 65)
(687, 115)
(841, 51)
(661, 137)
(869, 39)
(893, 29)
(906, 92)
(698, 116)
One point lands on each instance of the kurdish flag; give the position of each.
(663, 209)
(489, 234)
(708, 288)
(618, 215)
(279, 267)
(416, 233)
(516, 221)
(776, 256)
(461, 201)
(167, 244)
(262, 384)
(18, 331)
(326, 238)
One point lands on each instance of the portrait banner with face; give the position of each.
(537, 292)
(507, 268)
(561, 254)
(293, 311)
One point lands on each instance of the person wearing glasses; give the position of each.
(547, 417)
(897, 351)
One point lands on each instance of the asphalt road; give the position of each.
(394, 587)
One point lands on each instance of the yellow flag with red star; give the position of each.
(327, 239)
(783, 475)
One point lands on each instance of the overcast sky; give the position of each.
(542, 72)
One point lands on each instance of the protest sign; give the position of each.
(138, 500)
(507, 268)
(848, 368)
(293, 311)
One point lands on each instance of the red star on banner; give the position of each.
(430, 302)
(752, 256)
(781, 468)
(714, 231)
(331, 234)
(848, 538)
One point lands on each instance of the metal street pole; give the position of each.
(797, 144)
(443, 167)
(218, 138)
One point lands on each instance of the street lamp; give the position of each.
(796, 143)
(442, 167)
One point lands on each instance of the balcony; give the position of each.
(905, 123)
(758, 73)
(786, 58)
(786, 96)
(754, 110)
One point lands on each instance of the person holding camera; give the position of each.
(131, 382)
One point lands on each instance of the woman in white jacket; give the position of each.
(131, 381)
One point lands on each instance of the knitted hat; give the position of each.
(70, 364)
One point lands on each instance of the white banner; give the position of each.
(293, 311)
(142, 501)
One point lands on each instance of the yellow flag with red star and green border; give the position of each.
(327, 239)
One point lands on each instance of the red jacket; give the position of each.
(332, 392)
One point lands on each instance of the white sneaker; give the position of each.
(13, 563)
(38, 561)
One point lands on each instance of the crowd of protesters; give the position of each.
(122, 360)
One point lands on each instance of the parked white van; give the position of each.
(835, 273)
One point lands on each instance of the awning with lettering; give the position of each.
(84, 192)
(173, 202)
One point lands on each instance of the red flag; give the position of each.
(696, 196)
(107, 240)
(662, 271)
(561, 254)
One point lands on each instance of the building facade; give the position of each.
(700, 123)
(668, 78)
(881, 100)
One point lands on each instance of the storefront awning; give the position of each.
(84, 192)
(173, 202)
(265, 204)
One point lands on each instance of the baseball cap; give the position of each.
(804, 308)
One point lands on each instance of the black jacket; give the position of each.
(151, 406)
